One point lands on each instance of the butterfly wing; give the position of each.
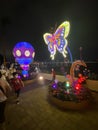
(60, 35)
(48, 38)
(66, 26)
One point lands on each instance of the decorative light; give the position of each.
(27, 53)
(58, 41)
(77, 86)
(24, 54)
(18, 53)
(67, 84)
(41, 78)
(54, 85)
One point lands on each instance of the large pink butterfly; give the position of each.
(57, 41)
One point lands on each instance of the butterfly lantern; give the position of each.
(58, 41)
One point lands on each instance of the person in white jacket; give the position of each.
(4, 88)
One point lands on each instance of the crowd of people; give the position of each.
(9, 82)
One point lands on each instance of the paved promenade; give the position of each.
(35, 112)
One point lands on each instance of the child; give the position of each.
(17, 84)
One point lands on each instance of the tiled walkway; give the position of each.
(35, 112)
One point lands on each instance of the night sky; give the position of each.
(25, 20)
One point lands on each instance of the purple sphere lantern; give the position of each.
(24, 54)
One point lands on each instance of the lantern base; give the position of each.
(25, 73)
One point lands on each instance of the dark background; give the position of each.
(25, 20)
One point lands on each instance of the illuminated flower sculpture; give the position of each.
(58, 41)
(24, 54)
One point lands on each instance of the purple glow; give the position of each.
(24, 54)
(54, 85)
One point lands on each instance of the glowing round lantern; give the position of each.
(24, 54)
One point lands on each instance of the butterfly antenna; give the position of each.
(55, 27)
(52, 30)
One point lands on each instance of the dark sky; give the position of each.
(25, 20)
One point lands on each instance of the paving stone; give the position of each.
(35, 113)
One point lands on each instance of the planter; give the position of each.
(70, 105)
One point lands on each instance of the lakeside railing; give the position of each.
(62, 68)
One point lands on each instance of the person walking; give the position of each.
(17, 84)
(53, 75)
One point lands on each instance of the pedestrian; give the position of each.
(53, 75)
(17, 84)
(4, 89)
